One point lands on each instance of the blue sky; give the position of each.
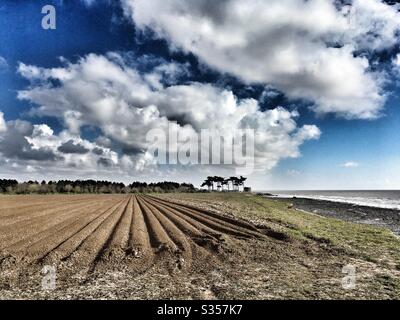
(355, 150)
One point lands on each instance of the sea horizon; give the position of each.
(389, 199)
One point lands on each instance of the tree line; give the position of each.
(12, 186)
(222, 182)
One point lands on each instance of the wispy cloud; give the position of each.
(88, 2)
(350, 164)
(3, 64)
(293, 173)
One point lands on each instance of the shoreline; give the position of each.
(381, 217)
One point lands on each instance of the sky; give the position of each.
(317, 80)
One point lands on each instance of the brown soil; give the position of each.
(86, 237)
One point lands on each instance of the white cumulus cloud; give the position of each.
(3, 125)
(106, 93)
(307, 49)
(37, 146)
(396, 63)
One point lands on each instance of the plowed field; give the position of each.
(186, 246)
(85, 235)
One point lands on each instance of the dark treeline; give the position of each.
(90, 186)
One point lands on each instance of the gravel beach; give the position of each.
(388, 218)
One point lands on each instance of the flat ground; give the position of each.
(188, 246)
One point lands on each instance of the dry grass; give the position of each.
(310, 265)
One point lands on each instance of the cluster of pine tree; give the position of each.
(90, 186)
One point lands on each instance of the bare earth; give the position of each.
(172, 246)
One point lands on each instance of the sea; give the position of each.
(373, 198)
